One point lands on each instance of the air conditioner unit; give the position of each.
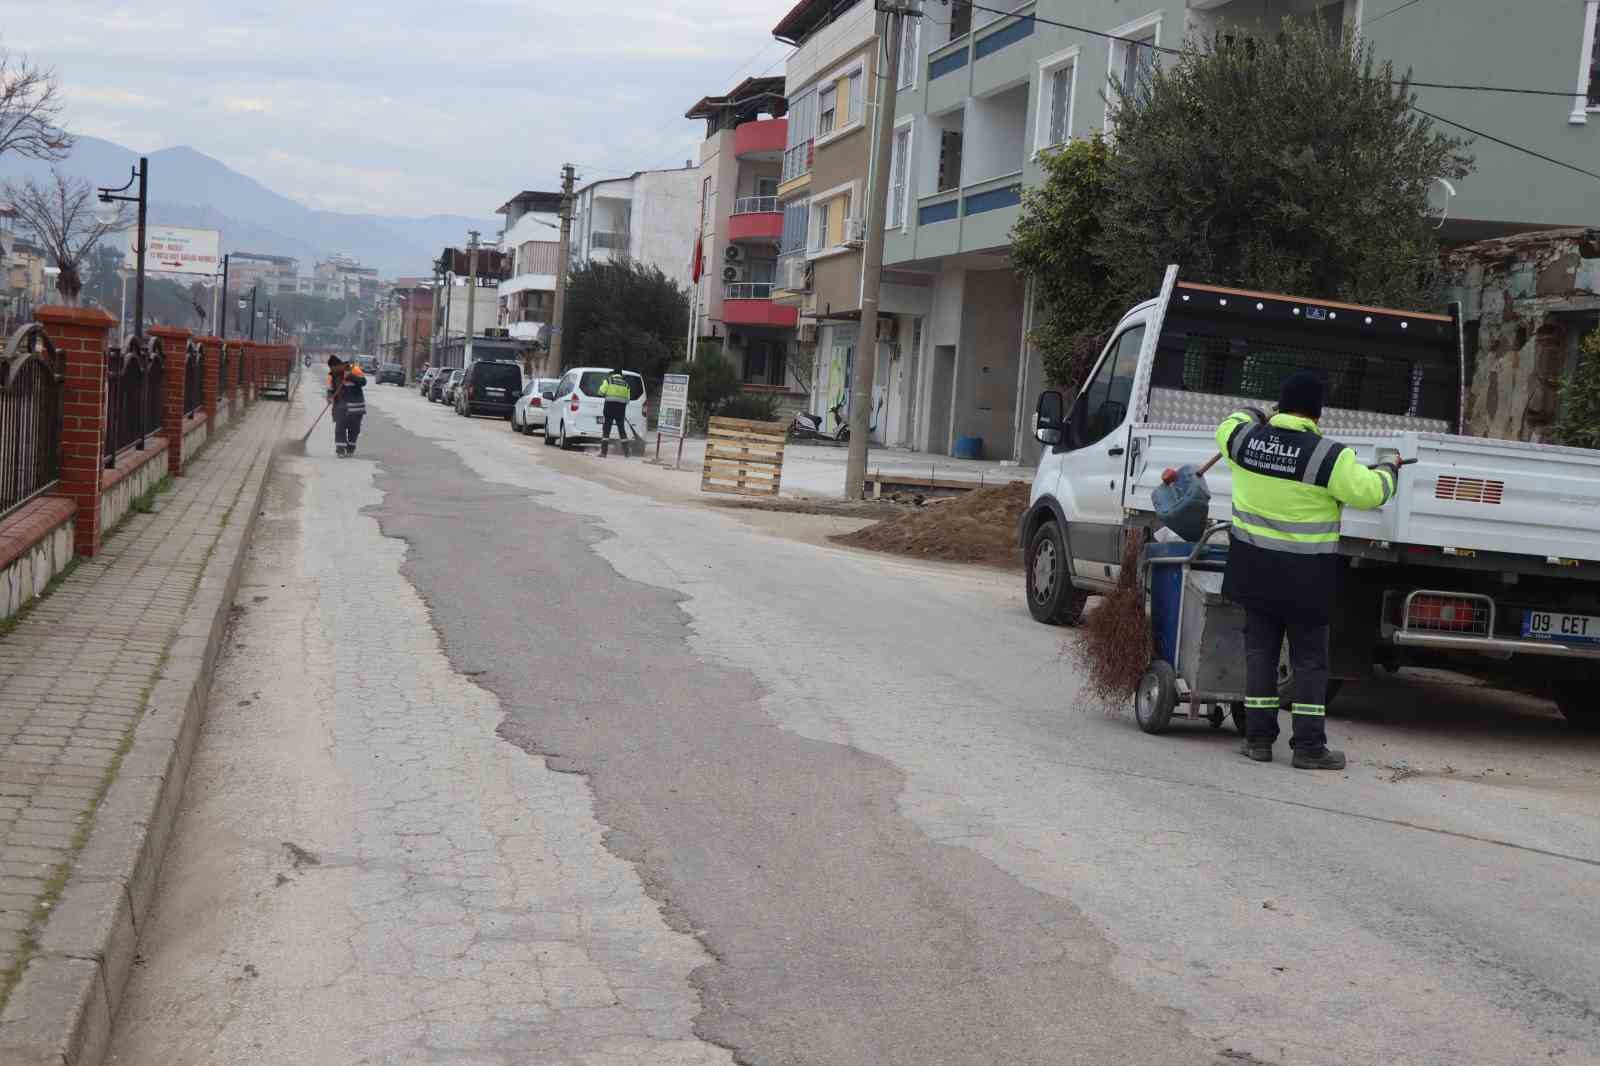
(855, 230)
(733, 273)
(733, 253)
(808, 333)
(796, 275)
(886, 328)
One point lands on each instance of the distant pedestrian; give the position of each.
(616, 393)
(347, 384)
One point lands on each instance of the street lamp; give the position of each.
(112, 197)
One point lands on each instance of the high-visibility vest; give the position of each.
(1290, 483)
(616, 388)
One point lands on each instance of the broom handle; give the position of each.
(329, 404)
(1210, 463)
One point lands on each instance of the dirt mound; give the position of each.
(978, 527)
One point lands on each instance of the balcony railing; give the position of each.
(747, 290)
(613, 241)
(755, 205)
(797, 161)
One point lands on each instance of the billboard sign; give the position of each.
(181, 250)
(673, 413)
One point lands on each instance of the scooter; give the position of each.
(807, 426)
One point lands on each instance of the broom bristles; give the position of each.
(1114, 645)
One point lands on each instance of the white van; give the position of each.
(576, 413)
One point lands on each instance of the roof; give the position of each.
(806, 17)
(759, 94)
(263, 257)
(544, 202)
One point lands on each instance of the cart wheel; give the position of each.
(1157, 695)
(1237, 712)
(1216, 716)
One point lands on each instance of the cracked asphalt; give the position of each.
(508, 762)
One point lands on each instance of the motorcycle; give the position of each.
(807, 426)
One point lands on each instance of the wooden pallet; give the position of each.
(743, 458)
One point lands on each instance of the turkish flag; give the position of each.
(698, 266)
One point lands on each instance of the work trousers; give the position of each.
(616, 413)
(347, 425)
(1308, 655)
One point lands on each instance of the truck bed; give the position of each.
(1467, 494)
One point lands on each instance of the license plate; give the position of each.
(495, 392)
(1572, 628)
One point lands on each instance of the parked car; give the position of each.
(489, 387)
(426, 384)
(451, 384)
(528, 414)
(391, 374)
(576, 412)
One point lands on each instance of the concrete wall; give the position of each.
(825, 48)
(995, 136)
(196, 432)
(1527, 300)
(129, 481)
(664, 216)
(50, 549)
(988, 359)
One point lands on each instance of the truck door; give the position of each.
(1090, 489)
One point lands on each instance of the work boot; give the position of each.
(1258, 752)
(1327, 759)
(605, 447)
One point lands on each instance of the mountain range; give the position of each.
(190, 188)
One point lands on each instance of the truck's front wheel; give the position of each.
(1051, 597)
(1578, 704)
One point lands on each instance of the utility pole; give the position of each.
(855, 470)
(222, 320)
(563, 253)
(472, 290)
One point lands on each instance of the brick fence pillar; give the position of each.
(210, 382)
(80, 335)
(230, 387)
(174, 344)
(252, 360)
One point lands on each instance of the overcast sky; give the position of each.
(400, 107)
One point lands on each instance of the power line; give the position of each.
(1506, 144)
(1392, 10)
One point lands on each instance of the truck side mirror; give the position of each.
(1048, 423)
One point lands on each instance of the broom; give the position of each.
(305, 440)
(1113, 648)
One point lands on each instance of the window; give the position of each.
(1138, 56)
(827, 109)
(1058, 77)
(960, 19)
(766, 186)
(839, 103)
(1133, 57)
(899, 167)
(910, 38)
(819, 225)
(949, 160)
(796, 218)
(1594, 57)
(829, 214)
(1103, 404)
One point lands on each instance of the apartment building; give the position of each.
(531, 245)
(649, 217)
(405, 311)
(740, 229)
(456, 288)
(984, 95)
(342, 277)
(269, 275)
(831, 86)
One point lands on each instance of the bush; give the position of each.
(754, 406)
(713, 381)
(1580, 399)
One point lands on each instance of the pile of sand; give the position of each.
(977, 527)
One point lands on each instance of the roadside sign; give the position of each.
(672, 417)
(181, 250)
(674, 411)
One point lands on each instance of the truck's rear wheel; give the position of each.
(1051, 597)
(1578, 704)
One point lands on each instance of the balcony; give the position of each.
(756, 218)
(615, 242)
(749, 303)
(761, 139)
(796, 168)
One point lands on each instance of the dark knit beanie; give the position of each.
(1301, 394)
(333, 361)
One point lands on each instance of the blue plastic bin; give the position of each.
(1166, 592)
(969, 448)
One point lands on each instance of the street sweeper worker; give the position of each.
(347, 384)
(616, 393)
(1290, 484)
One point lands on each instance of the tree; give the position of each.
(1580, 399)
(61, 213)
(623, 315)
(713, 381)
(1056, 243)
(1290, 163)
(29, 107)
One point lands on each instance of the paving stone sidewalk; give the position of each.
(76, 671)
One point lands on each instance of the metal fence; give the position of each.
(135, 386)
(194, 368)
(32, 384)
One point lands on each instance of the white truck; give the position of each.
(1487, 559)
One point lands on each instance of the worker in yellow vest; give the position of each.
(1290, 485)
(616, 393)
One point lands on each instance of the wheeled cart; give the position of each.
(1197, 669)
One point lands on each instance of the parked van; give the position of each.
(575, 412)
(489, 387)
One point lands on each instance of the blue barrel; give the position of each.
(969, 448)
(1166, 591)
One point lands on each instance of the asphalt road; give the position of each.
(854, 808)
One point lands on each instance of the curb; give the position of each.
(62, 1010)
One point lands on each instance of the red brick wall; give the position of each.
(174, 346)
(80, 334)
(210, 387)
